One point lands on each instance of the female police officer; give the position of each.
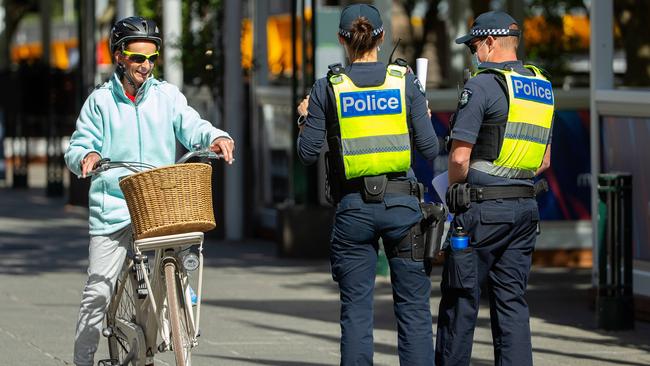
(371, 114)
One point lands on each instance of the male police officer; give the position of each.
(500, 140)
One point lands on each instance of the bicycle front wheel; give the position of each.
(180, 332)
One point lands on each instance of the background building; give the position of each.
(245, 66)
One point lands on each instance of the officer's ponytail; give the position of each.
(361, 38)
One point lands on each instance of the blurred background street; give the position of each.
(244, 65)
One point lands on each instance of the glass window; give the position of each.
(631, 44)
(624, 141)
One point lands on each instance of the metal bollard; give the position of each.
(614, 299)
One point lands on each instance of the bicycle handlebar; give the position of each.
(137, 167)
(204, 153)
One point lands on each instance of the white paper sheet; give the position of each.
(421, 65)
(440, 184)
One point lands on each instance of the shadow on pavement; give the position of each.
(39, 235)
(260, 361)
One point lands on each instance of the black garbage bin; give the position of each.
(614, 299)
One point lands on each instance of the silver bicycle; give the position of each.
(153, 308)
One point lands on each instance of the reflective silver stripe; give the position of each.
(500, 171)
(527, 132)
(376, 144)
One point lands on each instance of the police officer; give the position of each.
(372, 115)
(500, 140)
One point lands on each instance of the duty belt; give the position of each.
(460, 195)
(477, 194)
(406, 187)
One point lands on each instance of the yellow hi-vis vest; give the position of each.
(373, 125)
(530, 114)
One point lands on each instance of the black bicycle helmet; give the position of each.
(134, 28)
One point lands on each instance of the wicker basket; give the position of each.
(170, 200)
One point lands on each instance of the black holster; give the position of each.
(412, 246)
(434, 216)
(332, 181)
(423, 241)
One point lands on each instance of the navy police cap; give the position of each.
(351, 12)
(492, 23)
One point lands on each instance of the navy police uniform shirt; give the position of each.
(366, 74)
(484, 99)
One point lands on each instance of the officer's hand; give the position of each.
(428, 109)
(302, 107)
(88, 163)
(224, 146)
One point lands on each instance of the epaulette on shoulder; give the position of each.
(496, 73)
(545, 73)
(335, 69)
(401, 62)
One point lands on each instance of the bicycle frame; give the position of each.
(151, 321)
(155, 303)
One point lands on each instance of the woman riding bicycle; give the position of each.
(132, 117)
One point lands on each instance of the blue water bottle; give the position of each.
(459, 239)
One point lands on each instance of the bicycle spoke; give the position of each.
(120, 347)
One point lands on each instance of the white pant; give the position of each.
(106, 255)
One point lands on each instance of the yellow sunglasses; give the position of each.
(141, 57)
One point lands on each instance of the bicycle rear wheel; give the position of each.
(180, 332)
(121, 320)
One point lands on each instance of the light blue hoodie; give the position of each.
(144, 131)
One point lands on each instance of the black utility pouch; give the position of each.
(374, 188)
(458, 198)
(461, 269)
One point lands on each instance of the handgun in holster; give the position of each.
(426, 235)
(434, 216)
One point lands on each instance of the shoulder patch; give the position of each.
(464, 98)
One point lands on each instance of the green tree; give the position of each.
(201, 55)
(554, 53)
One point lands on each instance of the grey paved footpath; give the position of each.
(259, 309)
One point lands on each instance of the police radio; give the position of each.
(390, 57)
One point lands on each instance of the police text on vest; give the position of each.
(535, 90)
(370, 102)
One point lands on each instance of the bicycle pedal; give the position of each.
(108, 362)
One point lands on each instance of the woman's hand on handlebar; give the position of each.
(224, 146)
(88, 163)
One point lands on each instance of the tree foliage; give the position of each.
(554, 47)
(201, 27)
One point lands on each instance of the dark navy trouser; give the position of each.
(357, 228)
(502, 240)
